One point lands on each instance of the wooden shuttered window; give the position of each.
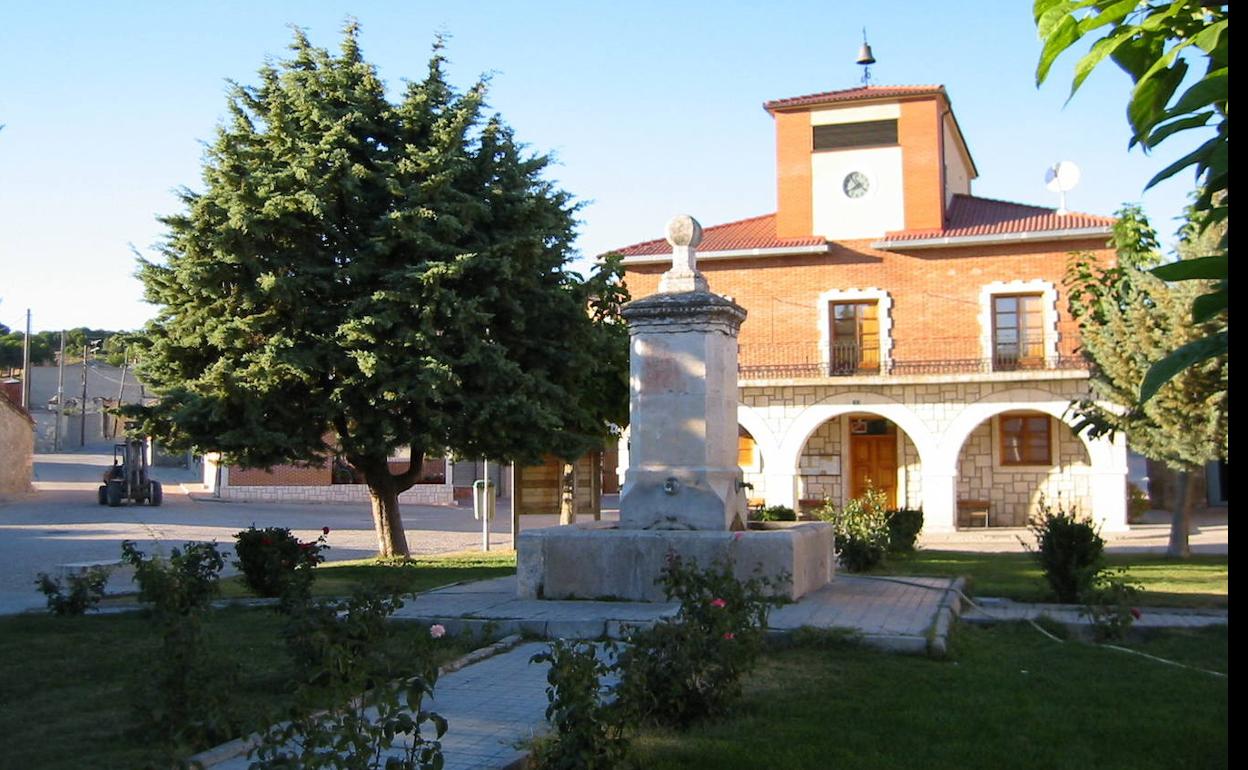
(1017, 331)
(1026, 439)
(840, 136)
(855, 338)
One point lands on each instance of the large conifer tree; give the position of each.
(358, 276)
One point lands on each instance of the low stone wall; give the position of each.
(421, 494)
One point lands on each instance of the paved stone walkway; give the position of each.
(1003, 610)
(894, 614)
(490, 707)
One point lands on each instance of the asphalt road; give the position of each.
(61, 523)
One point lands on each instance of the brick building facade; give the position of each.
(903, 333)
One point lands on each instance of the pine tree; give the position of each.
(359, 276)
(1128, 320)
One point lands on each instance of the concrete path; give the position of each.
(895, 614)
(490, 707)
(992, 610)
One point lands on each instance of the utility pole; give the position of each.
(26, 365)
(82, 405)
(60, 395)
(121, 392)
(515, 513)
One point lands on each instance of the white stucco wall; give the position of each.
(881, 210)
(957, 172)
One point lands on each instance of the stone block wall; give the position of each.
(1014, 494)
(822, 448)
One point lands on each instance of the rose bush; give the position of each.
(276, 563)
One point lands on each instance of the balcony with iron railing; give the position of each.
(931, 356)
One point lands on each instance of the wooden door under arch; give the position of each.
(873, 463)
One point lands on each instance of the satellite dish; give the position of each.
(1061, 178)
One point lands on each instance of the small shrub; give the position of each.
(690, 667)
(861, 530)
(1112, 605)
(589, 729)
(776, 513)
(904, 526)
(83, 592)
(1069, 550)
(276, 563)
(184, 699)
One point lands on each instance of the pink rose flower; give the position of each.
(729, 635)
(719, 604)
(437, 630)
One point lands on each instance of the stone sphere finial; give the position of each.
(684, 230)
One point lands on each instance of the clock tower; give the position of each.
(859, 163)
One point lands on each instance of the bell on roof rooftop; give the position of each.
(865, 58)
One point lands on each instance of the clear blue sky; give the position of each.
(651, 109)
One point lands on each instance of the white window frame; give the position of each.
(1048, 308)
(884, 314)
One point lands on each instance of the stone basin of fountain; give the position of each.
(599, 559)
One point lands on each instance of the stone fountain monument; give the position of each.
(683, 491)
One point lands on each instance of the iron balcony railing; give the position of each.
(907, 357)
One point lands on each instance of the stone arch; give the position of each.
(806, 422)
(749, 418)
(1101, 453)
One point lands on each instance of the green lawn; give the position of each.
(1200, 581)
(339, 578)
(67, 685)
(1007, 698)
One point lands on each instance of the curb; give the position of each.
(949, 610)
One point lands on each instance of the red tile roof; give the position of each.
(971, 216)
(744, 234)
(851, 95)
(967, 216)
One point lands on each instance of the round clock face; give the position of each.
(856, 184)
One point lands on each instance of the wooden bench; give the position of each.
(970, 510)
